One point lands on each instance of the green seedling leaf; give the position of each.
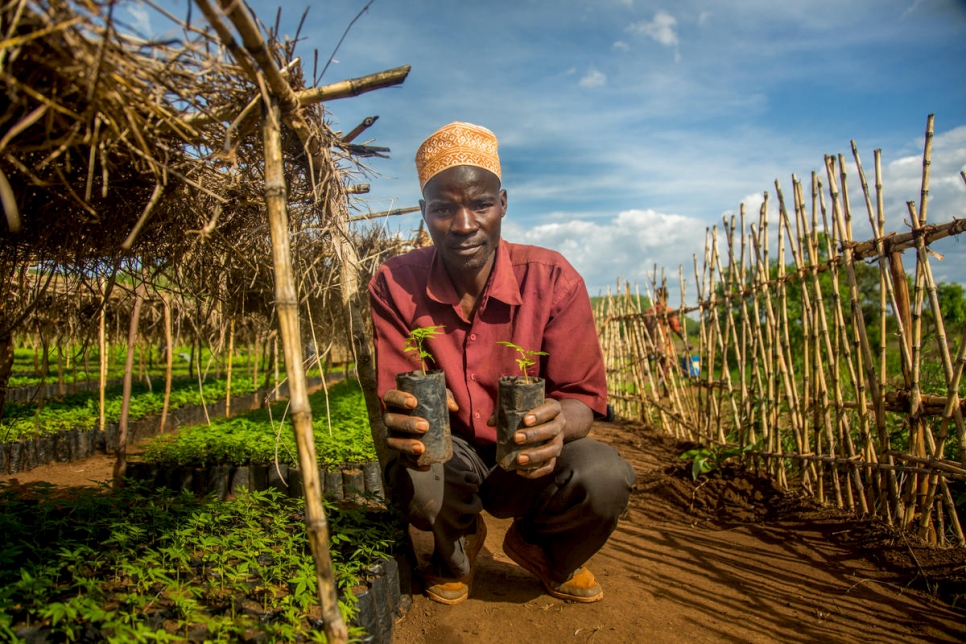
(414, 344)
(526, 359)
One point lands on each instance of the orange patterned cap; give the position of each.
(457, 144)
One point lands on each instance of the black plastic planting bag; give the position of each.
(430, 392)
(515, 398)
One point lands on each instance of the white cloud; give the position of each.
(902, 182)
(703, 17)
(593, 78)
(661, 29)
(620, 45)
(141, 19)
(629, 245)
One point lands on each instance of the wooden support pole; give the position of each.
(120, 463)
(286, 303)
(231, 355)
(168, 359)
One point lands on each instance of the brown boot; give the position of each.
(450, 590)
(580, 586)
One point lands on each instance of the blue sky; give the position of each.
(627, 127)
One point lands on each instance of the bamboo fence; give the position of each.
(818, 366)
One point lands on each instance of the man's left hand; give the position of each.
(543, 428)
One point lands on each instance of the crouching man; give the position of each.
(569, 490)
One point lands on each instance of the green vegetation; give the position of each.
(258, 437)
(526, 359)
(712, 459)
(29, 368)
(80, 411)
(414, 344)
(138, 565)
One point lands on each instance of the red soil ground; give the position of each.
(727, 559)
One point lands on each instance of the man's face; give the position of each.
(463, 207)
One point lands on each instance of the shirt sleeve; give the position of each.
(675, 321)
(574, 366)
(389, 335)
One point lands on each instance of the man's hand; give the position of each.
(405, 431)
(543, 424)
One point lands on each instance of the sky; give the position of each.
(627, 128)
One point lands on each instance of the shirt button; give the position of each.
(476, 415)
(472, 376)
(472, 336)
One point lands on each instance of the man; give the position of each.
(570, 490)
(660, 321)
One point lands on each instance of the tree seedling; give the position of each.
(711, 459)
(414, 344)
(526, 359)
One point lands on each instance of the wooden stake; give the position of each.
(168, 359)
(102, 349)
(286, 303)
(120, 463)
(231, 355)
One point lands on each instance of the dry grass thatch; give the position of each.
(113, 148)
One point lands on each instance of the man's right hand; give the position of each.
(405, 431)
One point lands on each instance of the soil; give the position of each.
(729, 558)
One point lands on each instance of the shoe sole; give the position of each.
(523, 562)
(444, 600)
(479, 546)
(574, 598)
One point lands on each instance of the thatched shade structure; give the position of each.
(148, 166)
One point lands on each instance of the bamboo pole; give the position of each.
(788, 373)
(342, 89)
(930, 470)
(120, 463)
(722, 339)
(282, 103)
(286, 303)
(102, 359)
(741, 280)
(728, 340)
(820, 328)
(926, 490)
(837, 350)
(168, 359)
(231, 354)
(877, 225)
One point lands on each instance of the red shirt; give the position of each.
(534, 298)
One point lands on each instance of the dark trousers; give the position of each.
(570, 513)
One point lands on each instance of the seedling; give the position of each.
(414, 344)
(229, 554)
(711, 459)
(526, 359)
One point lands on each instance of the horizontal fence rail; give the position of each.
(823, 360)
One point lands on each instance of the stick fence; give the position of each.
(822, 358)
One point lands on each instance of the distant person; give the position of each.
(661, 321)
(566, 498)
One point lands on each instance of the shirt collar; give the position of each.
(501, 285)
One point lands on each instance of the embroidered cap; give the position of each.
(457, 144)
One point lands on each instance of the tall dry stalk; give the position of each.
(300, 411)
(120, 462)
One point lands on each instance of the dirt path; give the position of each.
(733, 560)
